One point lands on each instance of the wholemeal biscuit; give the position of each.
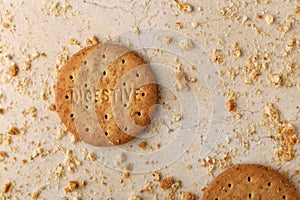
(114, 93)
(250, 181)
(64, 87)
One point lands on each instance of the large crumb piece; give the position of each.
(13, 70)
(6, 187)
(92, 41)
(1, 111)
(71, 186)
(230, 104)
(188, 196)
(166, 183)
(13, 131)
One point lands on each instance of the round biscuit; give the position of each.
(252, 182)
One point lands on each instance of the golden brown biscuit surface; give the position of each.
(250, 181)
(64, 88)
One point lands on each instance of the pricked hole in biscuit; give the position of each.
(143, 94)
(137, 75)
(139, 113)
(67, 96)
(250, 195)
(125, 129)
(124, 83)
(104, 73)
(249, 178)
(71, 77)
(86, 107)
(269, 184)
(106, 116)
(85, 62)
(123, 61)
(106, 133)
(283, 197)
(72, 115)
(85, 85)
(87, 129)
(229, 185)
(103, 56)
(125, 105)
(216, 198)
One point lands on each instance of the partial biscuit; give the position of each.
(131, 92)
(64, 86)
(250, 181)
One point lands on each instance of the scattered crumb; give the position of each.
(188, 196)
(269, 19)
(52, 107)
(179, 25)
(3, 155)
(134, 198)
(230, 104)
(74, 42)
(143, 145)
(13, 131)
(126, 174)
(13, 70)
(166, 183)
(184, 7)
(156, 176)
(1, 111)
(92, 41)
(297, 10)
(6, 187)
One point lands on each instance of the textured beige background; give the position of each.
(40, 28)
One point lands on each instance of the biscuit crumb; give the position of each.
(184, 7)
(25, 65)
(275, 80)
(71, 186)
(134, 198)
(217, 56)
(143, 145)
(156, 176)
(3, 155)
(269, 19)
(1, 111)
(35, 194)
(92, 41)
(166, 183)
(52, 107)
(6, 187)
(13, 70)
(126, 174)
(297, 10)
(74, 42)
(13, 131)
(5, 25)
(179, 25)
(230, 104)
(188, 196)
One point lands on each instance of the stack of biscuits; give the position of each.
(105, 94)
